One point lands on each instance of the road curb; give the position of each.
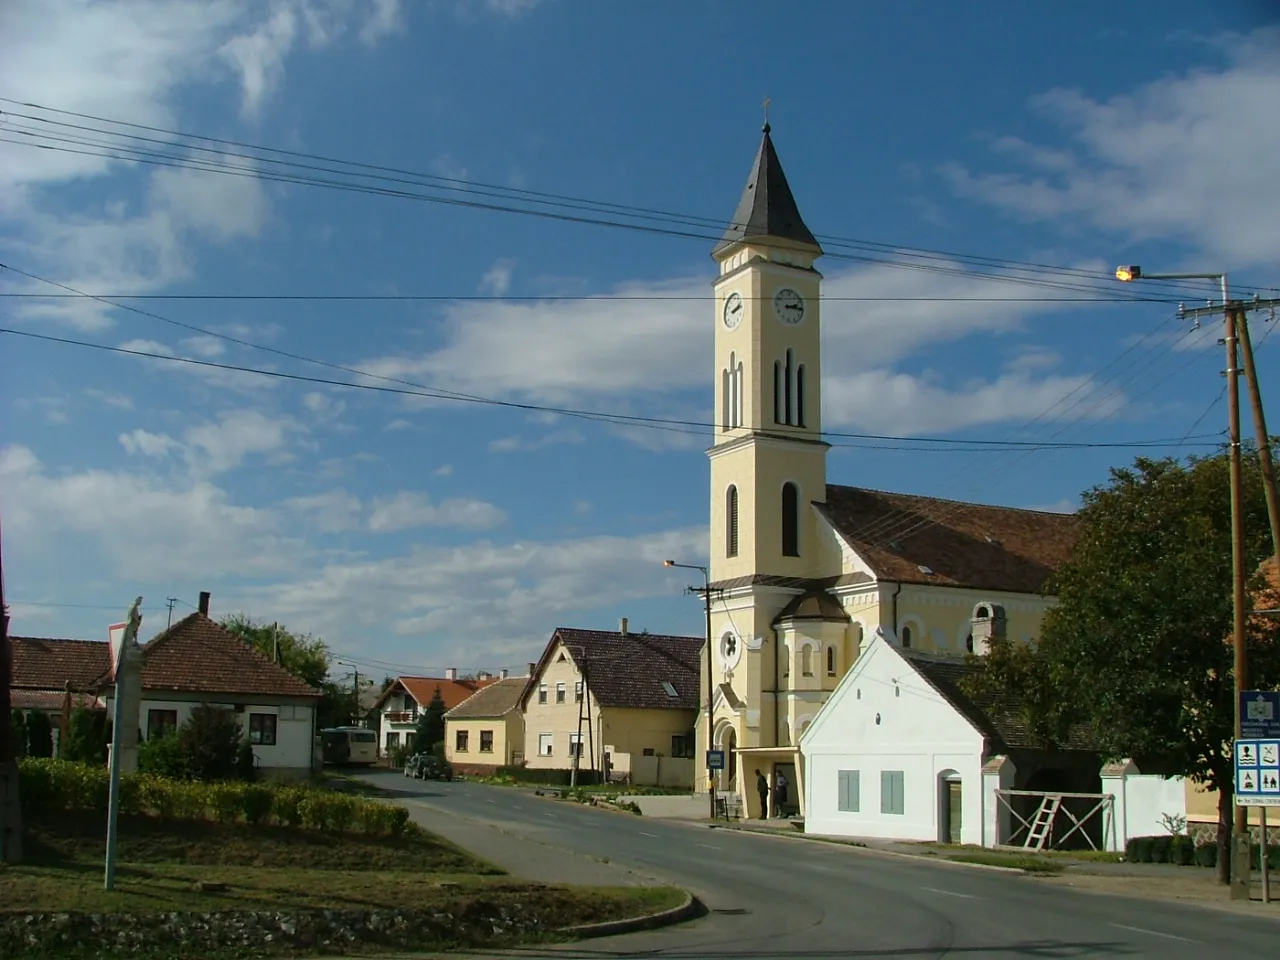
(876, 851)
(690, 909)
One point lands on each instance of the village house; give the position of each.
(486, 731)
(619, 702)
(401, 704)
(803, 572)
(192, 662)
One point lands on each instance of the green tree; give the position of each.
(162, 755)
(210, 742)
(86, 737)
(18, 734)
(303, 655)
(1138, 648)
(430, 728)
(39, 734)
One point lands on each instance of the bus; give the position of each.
(349, 746)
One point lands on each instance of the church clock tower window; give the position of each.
(790, 520)
(731, 394)
(788, 391)
(731, 522)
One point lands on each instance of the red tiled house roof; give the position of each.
(49, 664)
(422, 689)
(629, 669)
(960, 544)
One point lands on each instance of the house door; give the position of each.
(953, 809)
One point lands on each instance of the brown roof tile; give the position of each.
(422, 689)
(48, 664)
(628, 670)
(52, 700)
(195, 655)
(492, 700)
(962, 544)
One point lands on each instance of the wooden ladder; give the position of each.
(1042, 824)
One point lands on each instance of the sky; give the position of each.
(415, 533)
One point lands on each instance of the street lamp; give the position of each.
(355, 689)
(706, 596)
(1240, 887)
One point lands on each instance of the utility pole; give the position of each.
(170, 601)
(10, 805)
(705, 590)
(1235, 312)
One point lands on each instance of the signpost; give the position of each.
(121, 636)
(1257, 761)
(715, 760)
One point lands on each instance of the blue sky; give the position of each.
(418, 534)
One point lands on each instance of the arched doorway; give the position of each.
(728, 742)
(950, 807)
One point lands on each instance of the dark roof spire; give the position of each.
(767, 208)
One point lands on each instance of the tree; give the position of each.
(210, 742)
(39, 734)
(86, 737)
(430, 728)
(1139, 646)
(18, 733)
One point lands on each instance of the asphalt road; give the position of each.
(774, 897)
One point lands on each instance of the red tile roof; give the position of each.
(195, 655)
(492, 700)
(422, 689)
(52, 700)
(48, 664)
(959, 544)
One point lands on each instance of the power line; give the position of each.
(616, 419)
(538, 298)
(38, 138)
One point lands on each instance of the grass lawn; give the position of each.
(1045, 861)
(274, 868)
(1016, 861)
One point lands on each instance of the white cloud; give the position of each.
(497, 279)
(334, 511)
(259, 56)
(493, 598)
(444, 470)
(205, 347)
(139, 525)
(155, 445)
(408, 509)
(216, 447)
(583, 506)
(516, 443)
(324, 406)
(396, 425)
(1184, 157)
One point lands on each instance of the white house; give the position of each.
(901, 751)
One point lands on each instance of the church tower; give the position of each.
(768, 462)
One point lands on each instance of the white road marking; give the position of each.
(710, 847)
(951, 893)
(1154, 933)
(653, 835)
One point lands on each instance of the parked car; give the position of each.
(426, 766)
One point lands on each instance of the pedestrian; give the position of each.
(779, 793)
(762, 788)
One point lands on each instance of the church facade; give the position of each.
(802, 570)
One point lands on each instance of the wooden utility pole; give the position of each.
(10, 804)
(1260, 431)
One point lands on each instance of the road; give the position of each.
(774, 897)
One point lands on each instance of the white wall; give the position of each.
(918, 733)
(1140, 799)
(294, 722)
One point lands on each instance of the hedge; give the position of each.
(65, 786)
(551, 777)
(1180, 850)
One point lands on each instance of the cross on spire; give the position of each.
(767, 101)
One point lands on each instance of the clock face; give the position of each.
(733, 310)
(789, 306)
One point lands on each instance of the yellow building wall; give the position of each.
(939, 617)
(633, 731)
(508, 740)
(1202, 807)
(558, 719)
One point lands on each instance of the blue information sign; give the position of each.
(715, 759)
(1259, 715)
(1257, 773)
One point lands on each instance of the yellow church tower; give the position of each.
(768, 462)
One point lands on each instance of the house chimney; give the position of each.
(503, 673)
(622, 626)
(482, 675)
(451, 673)
(204, 602)
(532, 666)
(988, 625)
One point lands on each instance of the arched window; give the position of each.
(777, 391)
(725, 399)
(738, 384)
(968, 643)
(790, 520)
(806, 661)
(731, 522)
(906, 637)
(788, 385)
(831, 661)
(800, 395)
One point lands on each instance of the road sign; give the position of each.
(1259, 715)
(715, 759)
(1257, 773)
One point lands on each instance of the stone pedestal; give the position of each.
(1240, 844)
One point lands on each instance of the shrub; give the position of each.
(397, 755)
(287, 806)
(381, 819)
(162, 756)
(1160, 849)
(39, 734)
(226, 800)
(86, 740)
(257, 801)
(1207, 855)
(1182, 850)
(551, 777)
(210, 742)
(1138, 850)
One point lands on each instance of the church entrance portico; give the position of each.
(772, 761)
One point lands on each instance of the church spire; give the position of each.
(767, 208)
